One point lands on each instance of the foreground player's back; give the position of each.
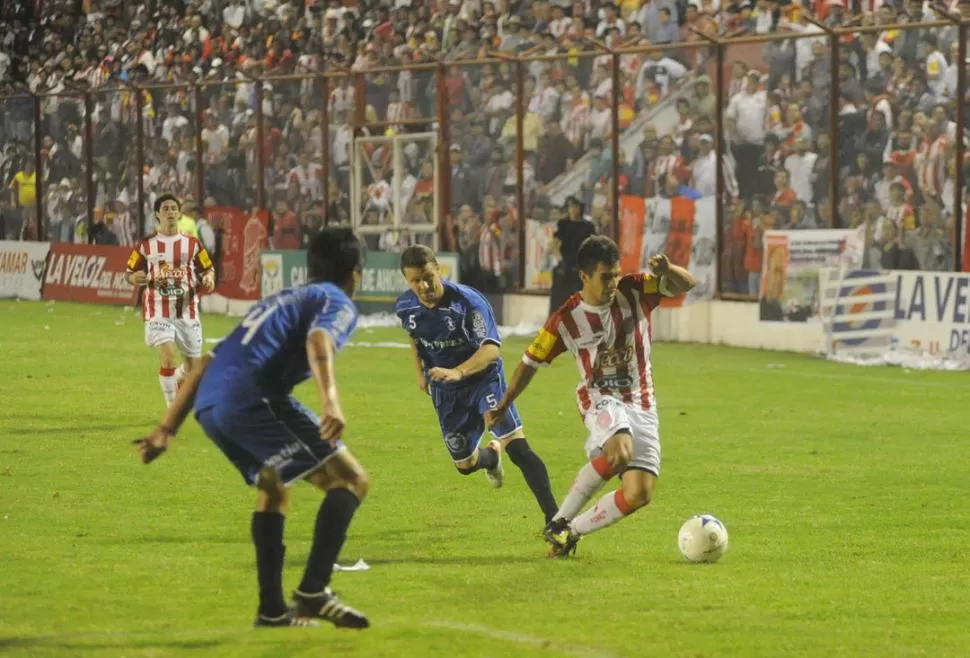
(265, 356)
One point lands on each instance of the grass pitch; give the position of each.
(844, 491)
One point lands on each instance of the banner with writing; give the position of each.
(790, 271)
(381, 279)
(22, 268)
(916, 319)
(89, 273)
(244, 235)
(682, 228)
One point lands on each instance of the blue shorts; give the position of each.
(461, 414)
(281, 434)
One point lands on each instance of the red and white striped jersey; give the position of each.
(611, 343)
(174, 264)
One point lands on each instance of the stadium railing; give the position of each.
(126, 145)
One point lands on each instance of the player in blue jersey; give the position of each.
(456, 353)
(242, 399)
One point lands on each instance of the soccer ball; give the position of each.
(702, 538)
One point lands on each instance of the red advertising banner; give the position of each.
(88, 273)
(243, 236)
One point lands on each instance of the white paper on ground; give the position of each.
(360, 565)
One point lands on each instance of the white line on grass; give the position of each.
(899, 381)
(476, 629)
(519, 638)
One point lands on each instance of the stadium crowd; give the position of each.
(896, 133)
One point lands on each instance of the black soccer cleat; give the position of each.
(328, 607)
(561, 538)
(287, 619)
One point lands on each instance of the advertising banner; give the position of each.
(88, 273)
(790, 271)
(682, 228)
(244, 235)
(22, 268)
(918, 319)
(381, 279)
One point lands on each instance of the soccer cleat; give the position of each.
(287, 619)
(496, 476)
(328, 607)
(561, 538)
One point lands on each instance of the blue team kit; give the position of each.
(244, 401)
(446, 336)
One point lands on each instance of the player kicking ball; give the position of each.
(242, 397)
(172, 266)
(456, 354)
(606, 326)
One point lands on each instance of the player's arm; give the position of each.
(483, 357)
(419, 367)
(204, 264)
(137, 269)
(153, 445)
(672, 280)
(321, 353)
(546, 346)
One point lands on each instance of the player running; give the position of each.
(170, 264)
(456, 354)
(243, 401)
(606, 326)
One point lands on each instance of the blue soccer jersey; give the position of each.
(265, 356)
(448, 334)
(244, 402)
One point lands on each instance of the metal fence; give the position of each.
(807, 128)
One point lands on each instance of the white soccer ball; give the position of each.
(702, 538)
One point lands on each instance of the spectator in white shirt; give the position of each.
(800, 165)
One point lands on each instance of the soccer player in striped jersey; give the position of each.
(174, 268)
(606, 327)
(242, 396)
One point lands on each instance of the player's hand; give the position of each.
(208, 282)
(446, 374)
(494, 416)
(152, 446)
(333, 422)
(139, 279)
(659, 264)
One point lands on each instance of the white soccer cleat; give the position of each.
(496, 476)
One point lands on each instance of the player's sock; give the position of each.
(535, 474)
(169, 382)
(487, 458)
(267, 530)
(588, 481)
(608, 510)
(333, 519)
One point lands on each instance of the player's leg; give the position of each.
(533, 469)
(249, 451)
(188, 339)
(463, 426)
(160, 334)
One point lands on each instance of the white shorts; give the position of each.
(610, 416)
(186, 334)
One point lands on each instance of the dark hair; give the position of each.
(166, 197)
(597, 249)
(333, 255)
(417, 256)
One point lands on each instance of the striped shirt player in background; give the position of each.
(173, 267)
(606, 326)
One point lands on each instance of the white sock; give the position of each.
(587, 483)
(608, 510)
(169, 380)
(180, 372)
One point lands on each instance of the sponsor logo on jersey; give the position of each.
(613, 381)
(613, 358)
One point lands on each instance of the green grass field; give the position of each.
(845, 491)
